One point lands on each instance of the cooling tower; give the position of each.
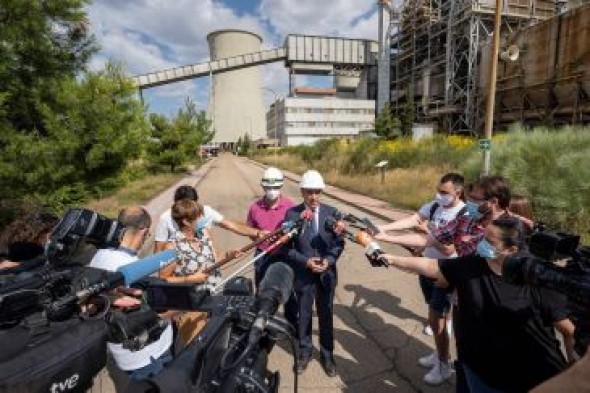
(236, 105)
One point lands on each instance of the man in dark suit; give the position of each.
(313, 255)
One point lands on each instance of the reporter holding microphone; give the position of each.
(507, 339)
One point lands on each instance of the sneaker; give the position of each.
(329, 366)
(427, 330)
(439, 373)
(302, 364)
(428, 361)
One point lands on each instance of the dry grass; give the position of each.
(288, 162)
(136, 192)
(403, 187)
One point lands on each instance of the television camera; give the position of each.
(557, 261)
(55, 321)
(363, 236)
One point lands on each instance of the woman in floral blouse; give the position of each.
(196, 252)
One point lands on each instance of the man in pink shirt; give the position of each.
(267, 214)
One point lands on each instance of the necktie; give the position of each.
(315, 223)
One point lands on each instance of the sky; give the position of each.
(152, 35)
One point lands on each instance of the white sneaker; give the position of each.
(439, 373)
(428, 361)
(427, 330)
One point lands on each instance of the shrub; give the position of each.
(551, 167)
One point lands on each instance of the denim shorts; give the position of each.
(155, 367)
(438, 299)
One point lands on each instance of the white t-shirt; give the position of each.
(111, 260)
(167, 227)
(441, 216)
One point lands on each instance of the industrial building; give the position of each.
(437, 60)
(550, 81)
(313, 114)
(236, 105)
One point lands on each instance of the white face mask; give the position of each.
(444, 199)
(272, 194)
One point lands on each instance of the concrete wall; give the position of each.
(236, 105)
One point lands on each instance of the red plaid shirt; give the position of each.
(463, 232)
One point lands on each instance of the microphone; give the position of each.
(275, 289)
(138, 270)
(373, 251)
(306, 215)
(305, 219)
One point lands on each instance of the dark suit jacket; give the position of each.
(323, 245)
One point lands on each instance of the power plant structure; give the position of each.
(437, 60)
(549, 81)
(236, 106)
(441, 56)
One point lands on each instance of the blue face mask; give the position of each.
(46, 247)
(201, 225)
(486, 250)
(473, 210)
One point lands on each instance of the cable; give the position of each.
(225, 368)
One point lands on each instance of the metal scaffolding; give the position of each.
(437, 57)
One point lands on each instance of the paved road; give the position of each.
(379, 313)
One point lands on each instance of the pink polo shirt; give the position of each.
(260, 216)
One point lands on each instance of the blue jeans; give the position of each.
(154, 368)
(476, 384)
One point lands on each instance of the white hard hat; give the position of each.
(312, 180)
(272, 177)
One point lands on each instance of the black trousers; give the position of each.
(299, 311)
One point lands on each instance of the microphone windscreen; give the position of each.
(278, 279)
(142, 268)
(306, 215)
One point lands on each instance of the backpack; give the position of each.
(435, 206)
(58, 357)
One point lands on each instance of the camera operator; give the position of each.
(507, 342)
(23, 241)
(446, 206)
(150, 360)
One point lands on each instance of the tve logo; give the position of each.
(65, 385)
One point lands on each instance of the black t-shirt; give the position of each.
(506, 333)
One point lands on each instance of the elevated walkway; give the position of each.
(178, 74)
(306, 54)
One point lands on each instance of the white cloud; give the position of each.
(150, 35)
(333, 18)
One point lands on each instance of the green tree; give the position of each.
(176, 141)
(387, 125)
(92, 129)
(41, 43)
(246, 144)
(239, 145)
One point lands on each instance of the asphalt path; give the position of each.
(379, 313)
